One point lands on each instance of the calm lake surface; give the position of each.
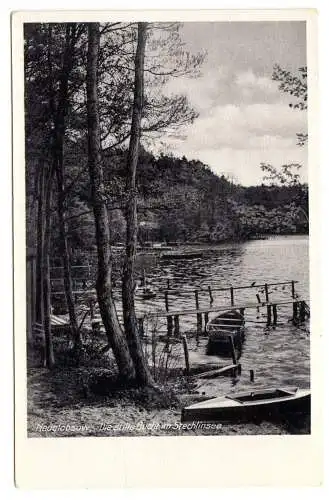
(277, 356)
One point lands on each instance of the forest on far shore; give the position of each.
(181, 201)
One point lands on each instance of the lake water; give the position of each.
(277, 356)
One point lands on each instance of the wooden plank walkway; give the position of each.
(255, 286)
(300, 309)
(184, 312)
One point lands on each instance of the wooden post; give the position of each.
(206, 321)
(169, 325)
(168, 284)
(198, 316)
(186, 355)
(266, 292)
(210, 295)
(198, 326)
(252, 375)
(166, 301)
(275, 314)
(232, 350)
(176, 325)
(232, 295)
(295, 312)
(196, 293)
(141, 327)
(302, 311)
(259, 301)
(293, 289)
(269, 315)
(242, 309)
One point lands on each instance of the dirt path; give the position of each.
(57, 406)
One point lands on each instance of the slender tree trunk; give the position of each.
(108, 312)
(58, 153)
(143, 374)
(66, 263)
(40, 234)
(49, 359)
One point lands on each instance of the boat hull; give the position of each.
(222, 345)
(220, 329)
(181, 256)
(223, 411)
(146, 295)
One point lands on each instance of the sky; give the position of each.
(244, 119)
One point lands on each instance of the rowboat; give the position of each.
(145, 293)
(181, 255)
(248, 405)
(221, 328)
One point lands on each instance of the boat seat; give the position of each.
(223, 328)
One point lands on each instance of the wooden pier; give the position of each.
(203, 301)
(300, 310)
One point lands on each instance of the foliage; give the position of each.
(286, 175)
(296, 86)
(184, 201)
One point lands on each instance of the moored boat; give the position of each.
(181, 255)
(145, 293)
(221, 328)
(266, 403)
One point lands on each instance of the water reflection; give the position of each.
(278, 356)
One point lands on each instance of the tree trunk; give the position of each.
(49, 359)
(66, 263)
(40, 235)
(58, 154)
(108, 312)
(143, 374)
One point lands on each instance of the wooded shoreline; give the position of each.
(94, 96)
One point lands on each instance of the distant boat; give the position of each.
(258, 237)
(145, 293)
(156, 248)
(221, 328)
(181, 255)
(248, 405)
